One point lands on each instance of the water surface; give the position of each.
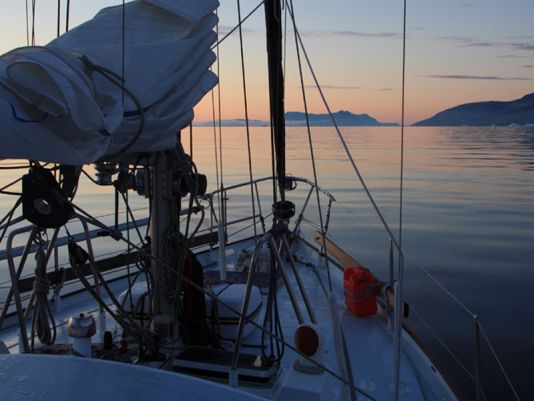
(468, 219)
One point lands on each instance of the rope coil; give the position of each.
(43, 324)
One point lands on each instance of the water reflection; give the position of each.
(469, 215)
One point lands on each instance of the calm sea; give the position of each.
(468, 221)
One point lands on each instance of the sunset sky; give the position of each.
(457, 52)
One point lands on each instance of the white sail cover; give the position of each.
(57, 103)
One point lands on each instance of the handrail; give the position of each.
(224, 191)
(451, 296)
(478, 330)
(258, 180)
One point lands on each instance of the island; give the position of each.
(343, 119)
(298, 119)
(515, 112)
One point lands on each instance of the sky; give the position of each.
(457, 51)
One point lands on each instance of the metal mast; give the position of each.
(167, 263)
(273, 19)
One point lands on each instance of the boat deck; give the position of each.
(369, 341)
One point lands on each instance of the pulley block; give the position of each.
(284, 209)
(43, 202)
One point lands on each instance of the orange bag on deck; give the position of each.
(360, 291)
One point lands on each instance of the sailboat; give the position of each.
(200, 315)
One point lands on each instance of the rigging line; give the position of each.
(33, 22)
(401, 192)
(14, 167)
(201, 289)
(441, 286)
(11, 193)
(89, 177)
(58, 17)
(129, 215)
(285, 37)
(10, 184)
(246, 117)
(273, 170)
(312, 152)
(219, 106)
(116, 80)
(498, 360)
(17, 203)
(215, 141)
(9, 216)
(442, 343)
(191, 140)
(192, 196)
(241, 21)
(27, 25)
(67, 16)
(399, 287)
(343, 142)
(222, 211)
(123, 51)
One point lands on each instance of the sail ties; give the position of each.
(119, 82)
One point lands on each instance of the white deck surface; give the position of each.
(368, 340)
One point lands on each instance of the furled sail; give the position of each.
(65, 102)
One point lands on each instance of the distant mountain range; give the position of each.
(520, 112)
(298, 119)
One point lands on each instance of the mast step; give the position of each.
(215, 364)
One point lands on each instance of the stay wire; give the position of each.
(216, 152)
(123, 51)
(10, 184)
(67, 16)
(399, 287)
(128, 215)
(58, 27)
(249, 152)
(285, 37)
(8, 217)
(241, 21)
(442, 343)
(310, 142)
(403, 91)
(412, 261)
(219, 109)
(343, 142)
(33, 22)
(499, 363)
(89, 177)
(11, 193)
(191, 140)
(14, 167)
(27, 25)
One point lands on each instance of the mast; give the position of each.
(164, 215)
(273, 22)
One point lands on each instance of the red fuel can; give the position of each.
(360, 291)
